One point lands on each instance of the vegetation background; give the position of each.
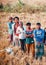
(27, 10)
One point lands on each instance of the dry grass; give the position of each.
(18, 58)
(30, 12)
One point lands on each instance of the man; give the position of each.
(39, 36)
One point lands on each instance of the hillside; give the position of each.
(30, 2)
(27, 10)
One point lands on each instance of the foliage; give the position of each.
(1, 7)
(21, 7)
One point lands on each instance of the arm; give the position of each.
(27, 35)
(42, 35)
(32, 34)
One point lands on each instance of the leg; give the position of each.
(41, 51)
(33, 49)
(28, 48)
(17, 42)
(37, 51)
(22, 44)
(14, 41)
(11, 37)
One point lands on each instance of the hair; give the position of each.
(21, 22)
(16, 18)
(28, 24)
(34, 28)
(10, 18)
(38, 24)
(45, 28)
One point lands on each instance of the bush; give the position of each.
(7, 7)
(21, 7)
(1, 7)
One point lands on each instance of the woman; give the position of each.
(29, 39)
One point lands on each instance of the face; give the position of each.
(21, 24)
(38, 26)
(28, 27)
(45, 29)
(16, 20)
(10, 20)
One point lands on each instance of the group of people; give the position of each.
(31, 40)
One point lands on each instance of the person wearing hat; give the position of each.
(39, 37)
(10, 31)
(30, 46)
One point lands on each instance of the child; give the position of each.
(39, 36)
(10, 31)
(15, 36)
(29, 39)
(21, 32)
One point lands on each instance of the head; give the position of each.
(34, 28)
(45, 28)
(16, 20)
(10, 19)
(28, 25)
(21, 24)
(38, 25)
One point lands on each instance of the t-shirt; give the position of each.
(39, 35)
(30, 31)
(21, 32)
(29, 40)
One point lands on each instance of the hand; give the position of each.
(38, 43)
(31, 35)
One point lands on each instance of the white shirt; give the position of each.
(14, 36)
(21, 33)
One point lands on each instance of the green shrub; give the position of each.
(1, 7)
(21, 7)
(7, 8)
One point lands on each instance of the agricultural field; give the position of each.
(18, 56)
(27, 10)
